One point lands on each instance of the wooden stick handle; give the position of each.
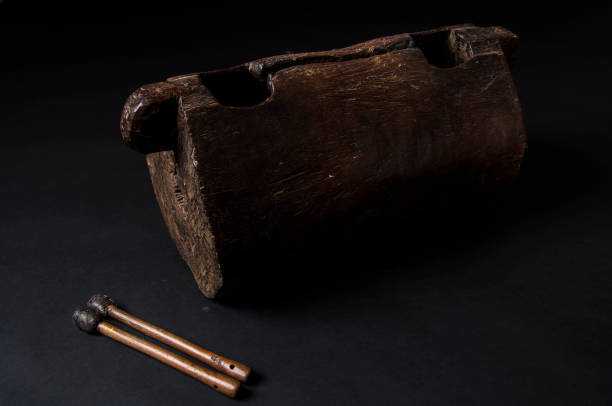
(219, 382)
(227, 366)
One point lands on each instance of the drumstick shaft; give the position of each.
(227, 366)
(219, 382)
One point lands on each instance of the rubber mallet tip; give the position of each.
(86, 319)
(99, 303)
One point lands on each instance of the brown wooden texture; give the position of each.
(227, 366)
(219, 382)
(281, 145)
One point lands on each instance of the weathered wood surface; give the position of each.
(277, 146)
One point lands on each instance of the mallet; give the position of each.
(89, 321)
(106, 307)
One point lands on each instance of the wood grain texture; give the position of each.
(275, 147)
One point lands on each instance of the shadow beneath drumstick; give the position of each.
(243, 394)
(255, 378)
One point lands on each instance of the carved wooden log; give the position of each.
(276, 146)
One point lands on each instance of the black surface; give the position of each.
(515, 309)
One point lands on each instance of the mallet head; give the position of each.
(86, 319)
(99, 303)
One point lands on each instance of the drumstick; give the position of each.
(91, 322)
(105, 306)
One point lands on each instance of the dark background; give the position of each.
(503, 304)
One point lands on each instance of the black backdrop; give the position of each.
(514, 309)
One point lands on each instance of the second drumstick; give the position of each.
(105, 306)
